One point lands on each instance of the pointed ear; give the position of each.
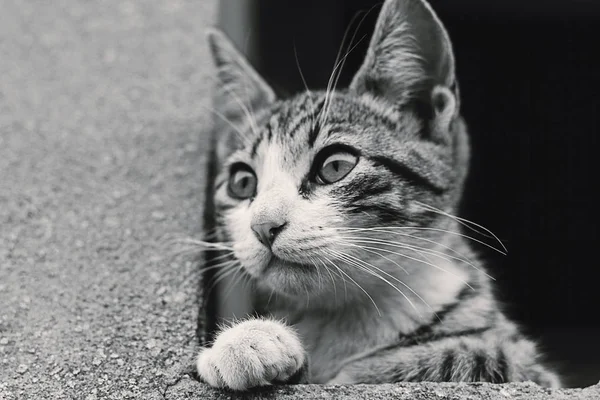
(409, 56)
(239, 84)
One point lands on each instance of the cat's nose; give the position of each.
(267, 232)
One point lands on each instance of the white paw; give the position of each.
(252, 353)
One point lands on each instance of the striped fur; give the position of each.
(372, 273)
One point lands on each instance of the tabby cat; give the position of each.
(338, 207)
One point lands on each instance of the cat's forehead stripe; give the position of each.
(287, 122)
(316, 128)
(296, 111)
(304, 114)
(311, 116)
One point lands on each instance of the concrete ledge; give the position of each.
(190, 389)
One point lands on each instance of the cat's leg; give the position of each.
(470, 358)
(255, 352)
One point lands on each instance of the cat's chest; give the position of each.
(329, 342)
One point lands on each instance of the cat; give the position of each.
(338, 206)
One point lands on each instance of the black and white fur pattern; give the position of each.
(369, 279)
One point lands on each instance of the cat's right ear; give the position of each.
(240, 86)
(410, 60)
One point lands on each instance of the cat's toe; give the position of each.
(207, 368)
(252, 353)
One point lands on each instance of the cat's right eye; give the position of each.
(334, 163)
(242, 182)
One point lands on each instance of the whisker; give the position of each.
(366, 264)
(335, 64)
(237, 276)
(300, 69)
(465, 222)
(423, 228)
(183, 252)
(241, 134)
(221, 275)
(219, 265)
(412, 258)
(192, 247)
(359, 286)
(331, 90)
(179, 254)
(332, 279)
(270, 296)
(341, 276)
(247, 112)
(307, 297)
(251, 116)
(343, 60)
(207, 245)
(171, 238)
(189, 253)
(313, 261)
(389, 259)
(460, 256)
(339, 63)
(436, 253)
(224, 255)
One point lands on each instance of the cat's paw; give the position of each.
(252, 353)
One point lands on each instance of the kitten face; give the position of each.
(315, 179)
(330, 185)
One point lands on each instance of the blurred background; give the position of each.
(530, 87)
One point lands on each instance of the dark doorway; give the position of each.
(529, 83)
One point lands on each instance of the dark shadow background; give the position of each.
(529, 82)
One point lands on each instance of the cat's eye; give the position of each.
(336, 166)
(242, 182)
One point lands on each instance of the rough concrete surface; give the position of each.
(102, 139)
(190, 389)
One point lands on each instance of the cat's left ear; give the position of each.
(410, 61)
(239, 82)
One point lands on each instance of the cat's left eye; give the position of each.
(242, 182)
(336, 167)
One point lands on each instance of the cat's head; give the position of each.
(316, 187)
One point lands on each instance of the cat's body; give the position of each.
(339, 207)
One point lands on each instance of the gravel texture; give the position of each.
(102, 137)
